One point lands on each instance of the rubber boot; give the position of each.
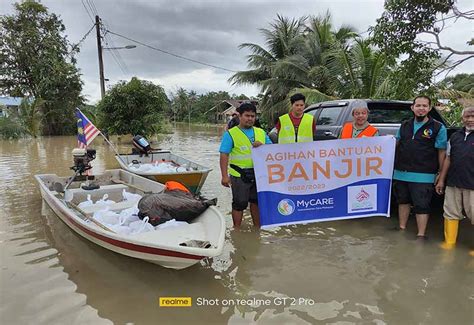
(450, 233)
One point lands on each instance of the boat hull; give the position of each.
(171, 258)
(193, 181)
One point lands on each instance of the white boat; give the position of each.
(159, 246)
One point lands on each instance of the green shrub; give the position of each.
(163, 127)
(11, 128)
(132, 107)
(452, 114)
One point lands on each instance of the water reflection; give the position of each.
(352, 271)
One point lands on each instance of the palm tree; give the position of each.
(297, 57)
(30, 115)
(360, 71)
(181, 104)
(321, 40)
(283, 40)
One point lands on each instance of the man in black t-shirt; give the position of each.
(234, 121)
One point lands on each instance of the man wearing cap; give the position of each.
(458, 167)
(420, 153)
(236, 160)
(359, 127)
(296, 126)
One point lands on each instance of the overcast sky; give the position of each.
(204, 30)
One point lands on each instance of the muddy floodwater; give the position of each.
(344, 272)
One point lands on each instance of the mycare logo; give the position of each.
(314, 202)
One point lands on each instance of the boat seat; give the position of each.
(122, 205)
(79, 195)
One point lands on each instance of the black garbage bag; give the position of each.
(175, 204)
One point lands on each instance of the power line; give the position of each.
(170, 53)
(114, 53)
(117, 60)
(82, 39)
(92, 7)
(87, 10)
(109, 43)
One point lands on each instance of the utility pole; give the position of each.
(101, 62)
(191, 100)
(189, 112)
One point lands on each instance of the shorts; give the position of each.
(242, 193)
(455, 200)
(418, 194)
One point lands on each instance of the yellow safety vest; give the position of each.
(241, 154)
(287, 130)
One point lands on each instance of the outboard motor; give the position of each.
(142, 146)
(82, 158)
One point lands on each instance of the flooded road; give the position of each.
(344, 272)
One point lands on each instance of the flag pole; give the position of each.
(112, 146)
(100, 132)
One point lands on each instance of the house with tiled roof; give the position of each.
(226, 108)
(9, 105)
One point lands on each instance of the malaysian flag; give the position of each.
(86, 131)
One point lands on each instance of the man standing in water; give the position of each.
(359, 127)
(420, 153)
(296, 126)
(459, 169)
(236, 160)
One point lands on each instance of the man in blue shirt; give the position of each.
(421, 149)
(235, 159)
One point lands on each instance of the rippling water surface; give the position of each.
(343, 272)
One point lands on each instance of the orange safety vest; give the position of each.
(173, 185)
(369, 131)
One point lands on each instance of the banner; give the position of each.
(324, 180)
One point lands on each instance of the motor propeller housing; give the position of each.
(142, 146)
(82, 158)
